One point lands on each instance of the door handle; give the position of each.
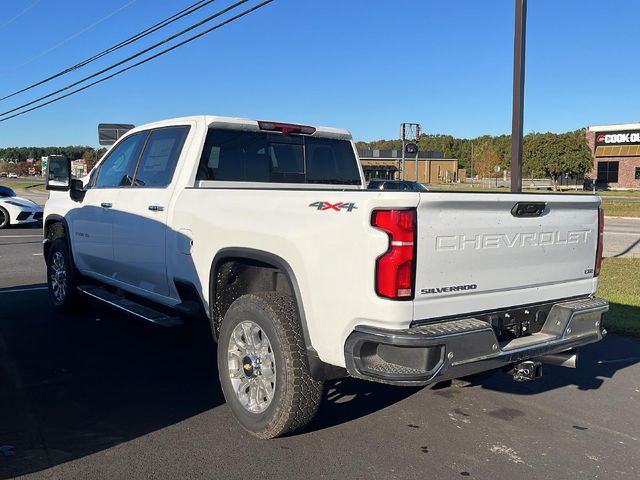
(106, 205)
(156, 208)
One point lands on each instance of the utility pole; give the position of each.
(472, 163)
(517, 116)
(417, 150)
(402, 135)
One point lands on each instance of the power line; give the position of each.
(69, 38)
(14, 18)
(152, 29)
(167, 50)
(131, 57)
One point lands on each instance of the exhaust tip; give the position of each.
(567, 359)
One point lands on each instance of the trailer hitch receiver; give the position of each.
(529, 370)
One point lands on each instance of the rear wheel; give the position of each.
(263, 367)
(4, 218)
(62, 278)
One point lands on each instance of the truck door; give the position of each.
(140, 229)
(92, 220)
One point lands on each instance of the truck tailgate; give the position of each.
(476, 252)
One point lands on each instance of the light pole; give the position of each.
(472, 163)
(517, 116)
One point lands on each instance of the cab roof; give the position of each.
(237, 123)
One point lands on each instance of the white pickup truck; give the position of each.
(268, 232)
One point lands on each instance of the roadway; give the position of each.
(101, 395)
(621, 237)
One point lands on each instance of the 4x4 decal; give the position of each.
(322, 206)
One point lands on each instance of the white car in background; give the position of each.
(16, 210)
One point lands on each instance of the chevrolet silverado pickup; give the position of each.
(267, 231)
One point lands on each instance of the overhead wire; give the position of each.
(134, 38)
(67, 40)
(129, 58)
(22, 12)
(148, 59)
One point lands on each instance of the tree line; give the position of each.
(14, 159)
(73, 152)
(544, 154)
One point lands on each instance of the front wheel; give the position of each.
(4, 218)
(263, 368)
(62, 278)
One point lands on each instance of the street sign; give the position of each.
(411, 149)
(109, 133)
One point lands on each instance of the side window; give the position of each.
(119, 167)
(160, 157)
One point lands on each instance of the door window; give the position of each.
(160, 156)
(118, 169)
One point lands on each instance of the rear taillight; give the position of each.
(395, 269)
(286, 127)
(600, 241)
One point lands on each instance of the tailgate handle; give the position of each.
(528, 209)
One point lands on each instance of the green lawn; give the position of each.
(618, 208)
(619, 193)
(620, 285)
(24, 183)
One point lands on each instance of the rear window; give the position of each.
(237, 156)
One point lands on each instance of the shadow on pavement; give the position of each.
(349, 399)
(74, 385)
(628, 249)
(596, 363)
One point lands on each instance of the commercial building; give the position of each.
(616, 155)
(432, 168)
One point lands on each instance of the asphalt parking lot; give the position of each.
(101, 395)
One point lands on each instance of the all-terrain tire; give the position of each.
(297, 395)
(63, 278)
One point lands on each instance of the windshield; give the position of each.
(233, 155)
(6, 192)
(419, 187)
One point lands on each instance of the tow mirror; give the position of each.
(58, 174)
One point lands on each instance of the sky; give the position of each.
(363, 65)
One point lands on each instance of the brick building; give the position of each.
(432, 168)
(616, 155)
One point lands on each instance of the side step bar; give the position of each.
(130, 306)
